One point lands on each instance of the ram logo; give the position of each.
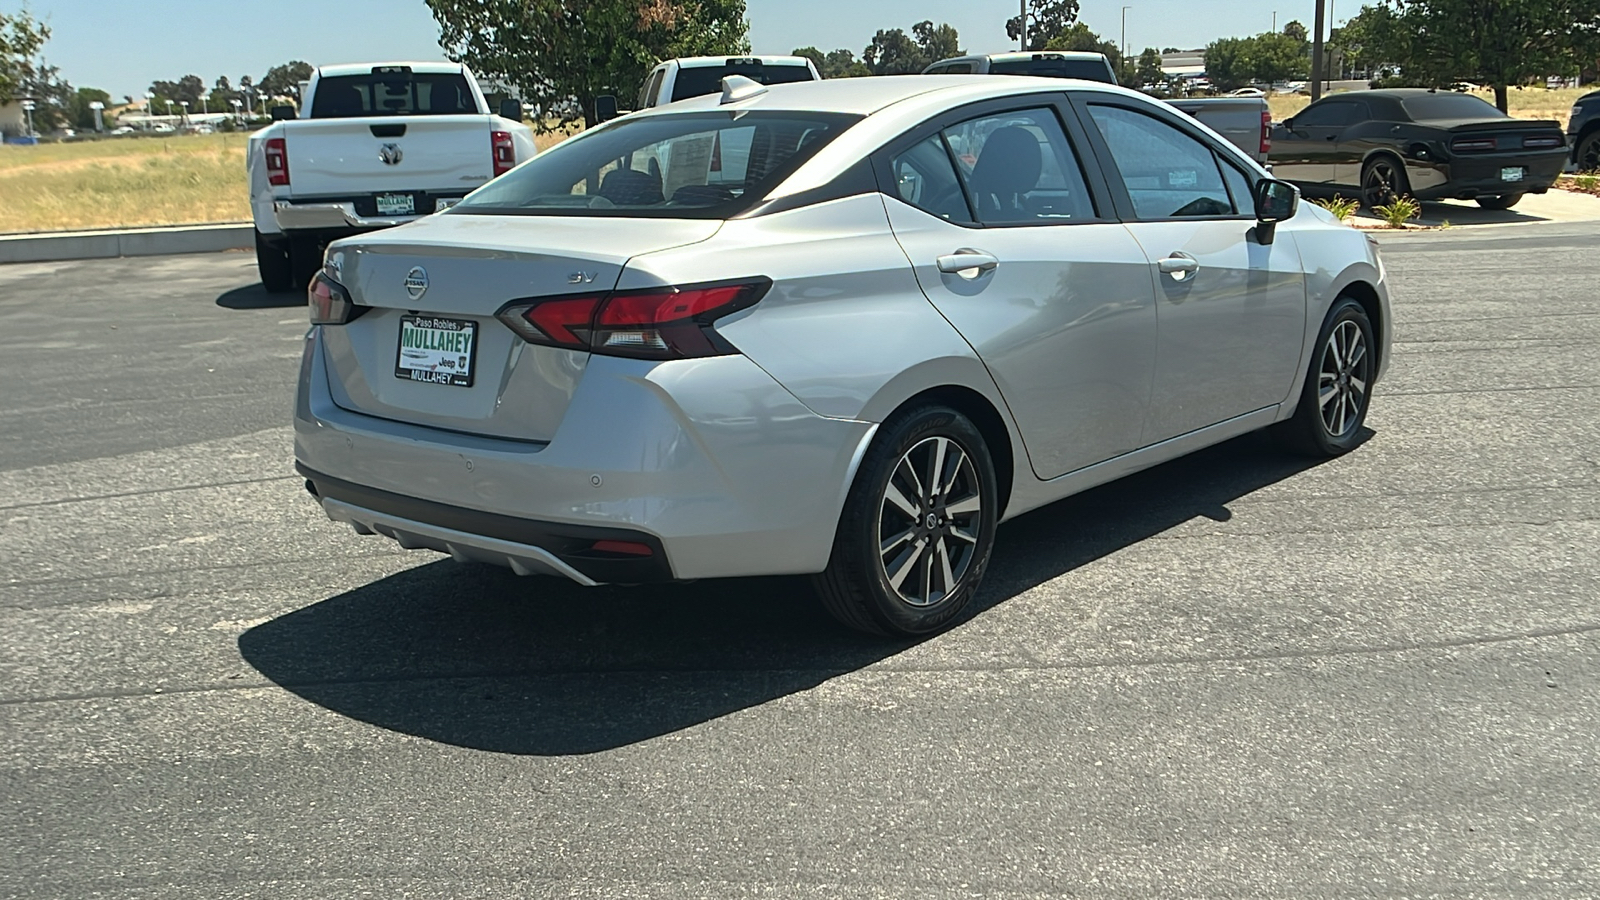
(391, 154)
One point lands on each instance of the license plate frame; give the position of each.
(396, 204)
(1513, 173)
(433, 354)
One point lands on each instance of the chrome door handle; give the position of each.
(1178, 265)
(966, 260)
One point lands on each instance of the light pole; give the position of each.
(149, 110)
(27, 109)
(237, 106)
(1022, 39)
(1125, 36)
(1316, 56)
(185, 105)
(99, 121)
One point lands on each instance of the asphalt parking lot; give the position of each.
(1237, 675)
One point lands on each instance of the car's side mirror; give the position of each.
(605, 108)
(511, 108)
(1276, 201)
(1289, 123)
(280, 113)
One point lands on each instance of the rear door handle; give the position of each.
(968, 263)
(1179, 265)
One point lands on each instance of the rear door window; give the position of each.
(392, 93)
(925, 177)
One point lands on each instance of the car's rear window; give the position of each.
(1449, 105)
(702, 165)
(1087, 69)
(697, 81)
(399, 93)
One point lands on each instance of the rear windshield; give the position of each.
(391, 94)
(708, 165)
(1087, 69)
(1450, 105)
(696, 81)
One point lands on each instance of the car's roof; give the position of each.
(1025, 56)
(426, 68)
(695, 62)
(865, 96)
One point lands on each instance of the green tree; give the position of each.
(1278, 57)
(1081, 38)
(936, 41)
(21, 38)
(1228, 62)
(893, 52)
(1296, 31)
(1499, 42)
(842, 63)
(79, 112)
(284, 80)
(556, 51)
(1147, 70)
(813, 54)
(1047, 20)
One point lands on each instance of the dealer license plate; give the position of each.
(436, 351)
(1512, 173)
(396, 205)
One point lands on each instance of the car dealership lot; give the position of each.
(1235, 675)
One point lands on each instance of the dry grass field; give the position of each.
(130, 183)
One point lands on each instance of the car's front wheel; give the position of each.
(1338, 389)
(1499, 201)
(917, 529)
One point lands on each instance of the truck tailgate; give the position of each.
(1236, 118)
(347, 157)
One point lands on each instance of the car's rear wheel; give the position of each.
(917, 529)
(1338, 389)
(1382, 182)
(272, 261)
(1588, 155)
(1499, 201)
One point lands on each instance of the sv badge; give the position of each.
(581, 277)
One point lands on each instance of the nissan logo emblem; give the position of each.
(417, 282)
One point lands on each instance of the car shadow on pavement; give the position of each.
(476, 657)
(255, 296)
(1436, 213)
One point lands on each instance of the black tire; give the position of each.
(1587, 157)
(305, 258)
(857, 587)
(1500, 201)
(1319, 428)
(1383, 179)
(272, 261)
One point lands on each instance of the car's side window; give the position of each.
(1241, 186)
(1020, 169)
(1168, 173)
(925, 178)
(1337, 112)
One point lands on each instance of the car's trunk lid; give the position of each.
(433, 288)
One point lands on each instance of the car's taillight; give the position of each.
(1266, 132)
(1486, 143)
(505, 153)
(654, 323)
(1544, 140)
(329, 302)
(277, 161)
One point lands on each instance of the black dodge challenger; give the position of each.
(1431, 145)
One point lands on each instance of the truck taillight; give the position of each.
(277, 161)
(653, 323)
(505, 153)
(1266, 132)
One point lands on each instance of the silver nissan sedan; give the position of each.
(840, 329)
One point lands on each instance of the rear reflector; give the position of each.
(654, 323)
(505, 152)
(1266, 132)
(277, 153)
(1487, 143)
(629, 548)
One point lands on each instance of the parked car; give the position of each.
(1246, 92)
(694, 76)
(374, 145)
(1431, 145)
(1244, 121)
(1043, 64)
(922, 310)
(1583, 132)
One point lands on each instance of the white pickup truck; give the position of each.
(374, 145)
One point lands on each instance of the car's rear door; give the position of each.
(1230, 306)
(995, 211)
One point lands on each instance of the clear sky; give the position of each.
(121, 46)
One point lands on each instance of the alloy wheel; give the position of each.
(1381, 184)
(1589, 154)
(929, 521)
(1342, 379)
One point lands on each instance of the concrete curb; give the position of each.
(17, 248)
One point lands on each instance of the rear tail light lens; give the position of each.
(1266, 132)
(1544, 140)
(656, 323)
(505, 152)
(329, 302)
(1470, 144)
(277, 153)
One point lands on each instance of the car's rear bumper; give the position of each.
(1465, 179)
(710, 462)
